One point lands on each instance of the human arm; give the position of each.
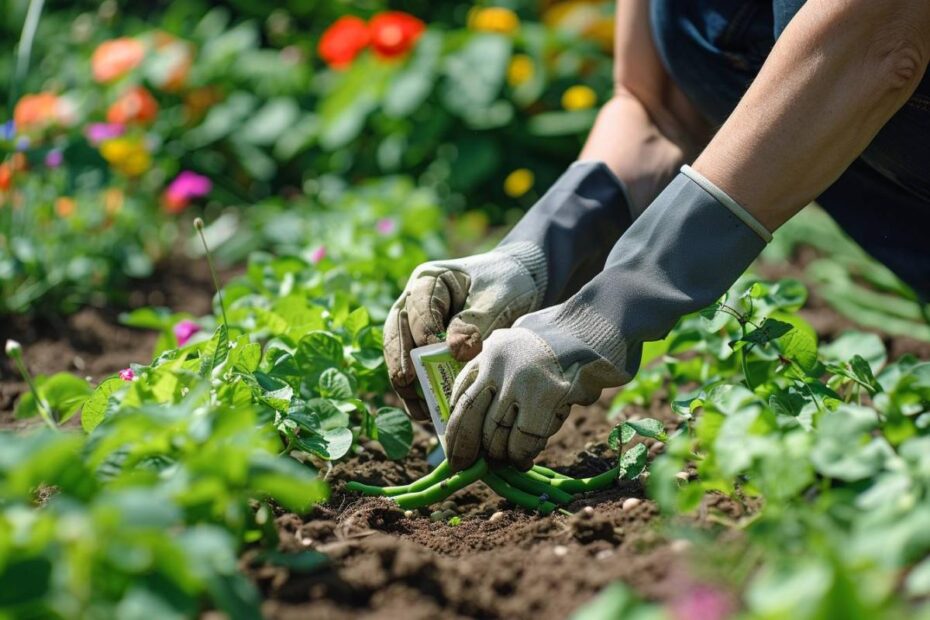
(696, 238)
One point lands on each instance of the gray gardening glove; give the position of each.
(681, 255)
(558, 245)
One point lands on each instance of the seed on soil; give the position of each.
(408, 514)
(683, 476)
(560, 551)
(630, 503)
(587, 512)
(497, 516)
(603, 554)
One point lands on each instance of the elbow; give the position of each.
(899, 63)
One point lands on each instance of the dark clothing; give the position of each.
(714, 49)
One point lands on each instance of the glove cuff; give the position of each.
(531, 257)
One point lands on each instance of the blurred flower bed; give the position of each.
(127, 121)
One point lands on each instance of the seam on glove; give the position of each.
(531, 257)
(724, 199)
(591, 328)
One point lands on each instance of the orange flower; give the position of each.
(114, 59)
(35, 112)
(65, 206)
(136, 105)
(342, 41)
(6, 176)
(394, 33)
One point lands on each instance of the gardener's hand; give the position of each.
(510, 399)
(468, 298)
(561, 243)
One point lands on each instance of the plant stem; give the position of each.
(15, 352)
(198, 225)
(24, 50)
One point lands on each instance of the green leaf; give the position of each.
(95, 407)
(394, 432)
(328, 444)
(279, 399)
(770, 330)
(319, 350)
(215, 351)
(62, 393)
(633, 462)
(648, 427)
(149, 318)
(246, 357)
(863, 372)
(356, 320)
(800, 344)
(335, 384)
(619, 435)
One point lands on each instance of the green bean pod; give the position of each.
(549, 473)
(442, 489)
(581, 485)
(524, 482)
(437, 475)
(516, 496)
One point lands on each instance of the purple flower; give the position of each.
(703, 602)
(184, 330)
(127, 374)
(54, 158)
(101, 132)
(22, 143)
(386, 226)
(318, 254)
(8, 130)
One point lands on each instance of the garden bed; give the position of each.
(498, 562)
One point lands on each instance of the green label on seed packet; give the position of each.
(436, 371)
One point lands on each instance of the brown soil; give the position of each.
(500, 562)
(92, 342)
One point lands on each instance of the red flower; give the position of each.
(343, 41)
(136, 105)
(393, 33)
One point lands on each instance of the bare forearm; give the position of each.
(648, 128)
(838, 73)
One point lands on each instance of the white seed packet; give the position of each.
(436, 371)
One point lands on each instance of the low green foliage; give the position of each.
(824, 446)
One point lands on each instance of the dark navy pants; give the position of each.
(715, 48)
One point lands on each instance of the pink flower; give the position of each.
(185, 187)
(184, 330)
(101, 132)
(127, 374)
(703, 602)
(386, 226)
(318, 254)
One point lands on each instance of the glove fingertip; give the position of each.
(464, 340)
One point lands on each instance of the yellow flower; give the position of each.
(65, 206)
(521, 70)
(519, 182)
(579, 97)
(126, 155)
(493, 19)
